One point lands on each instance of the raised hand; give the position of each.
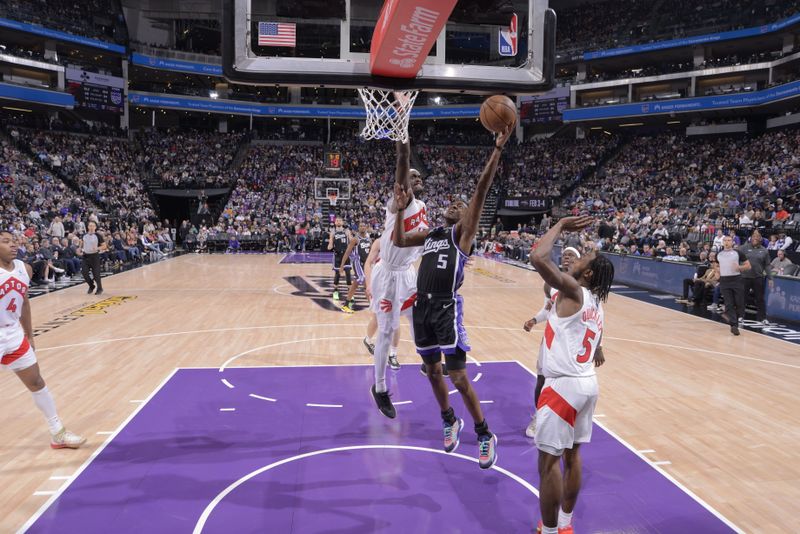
(400, 196)
(503, 137)
(575, 224)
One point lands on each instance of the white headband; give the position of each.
(573, 250)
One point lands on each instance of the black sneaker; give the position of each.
(384, 403)
(734, 330)
(98, 292)
(393, 363)
(91, 290)
(370, 346)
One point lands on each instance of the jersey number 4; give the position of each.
(586, 353)
(12, 306)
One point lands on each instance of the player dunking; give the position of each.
(16, 340)
(394, 279)
(357, 252)
(438, 310)
(338, 239)
(566, 406)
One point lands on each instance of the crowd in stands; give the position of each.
(615, 23)
(675, 192)
(100, 19)
(189, 158)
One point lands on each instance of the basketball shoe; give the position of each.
(384, 403)
(452, 435)
(561, 530)
(347, 309)
(393, 363)
(487, 451)
(370, 346)
(65, 439)
(335, 294)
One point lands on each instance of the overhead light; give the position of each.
(596, 128)
(606, 132)
(673, 122)
(628, 124)
(213, 94)
(437, 100)
(18, 109)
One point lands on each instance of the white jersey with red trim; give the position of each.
(570, 342)
(13, 288)
(415, 219)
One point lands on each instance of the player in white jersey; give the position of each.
(571, 337)
(394, 279)
(16, 339)
(568, 256)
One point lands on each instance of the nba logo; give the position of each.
(508, 39)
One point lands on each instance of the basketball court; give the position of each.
(219, 397)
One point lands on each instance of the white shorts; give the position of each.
(393, 294)
(564, 414)
(16, 353)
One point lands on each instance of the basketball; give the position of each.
(498, 112)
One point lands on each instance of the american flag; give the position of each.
(277, 34)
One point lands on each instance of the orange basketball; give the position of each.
(498, 112)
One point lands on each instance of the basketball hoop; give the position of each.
(388, 113)
(332, 196)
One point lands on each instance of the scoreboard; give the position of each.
(547, 107)
(98, 92)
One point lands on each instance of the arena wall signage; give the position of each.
(61, 36)
(94, 91)
(525, 203)
(176, 65)
(36, 96)
(694, 41)
(686, 105)
(234, 107)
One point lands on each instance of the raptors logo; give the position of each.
(386, 305)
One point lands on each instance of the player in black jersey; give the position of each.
(337, 242)
(357, 252)
(438, 310)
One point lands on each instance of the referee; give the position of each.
(92, 244)
(731, 264)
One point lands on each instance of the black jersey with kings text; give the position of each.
(363, 248)
(441, 272)
(339, 242)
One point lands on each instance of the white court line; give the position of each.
(262, 398)
(136, 401)
(646, 451)
(663, 473)
(599, 415)
(662, 462)
(198, 528)
(398, 403)
(227, 409)
(477, 377)
(312, 405)
(225, 381)
(487, 402)
(37, 493)
(60, 477)
(105, 433)
(91, 458)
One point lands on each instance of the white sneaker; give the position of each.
(712, 307)
(531, 430)
(765, 322)
(66, 440)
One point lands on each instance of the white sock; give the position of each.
(549, 530)
(381, 359)
(564, 519)
(44, 401)
(393, 351)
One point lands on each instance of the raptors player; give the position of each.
(16, 340)
(573, 333)
(394, 279)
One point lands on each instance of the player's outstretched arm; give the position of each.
(25, 318)
(330, 240)
(399, 236)
(403, 164)
(467, 227)
(565, 283)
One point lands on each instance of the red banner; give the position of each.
(404, 35)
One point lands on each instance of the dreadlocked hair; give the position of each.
(602, 277)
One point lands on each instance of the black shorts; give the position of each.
(438, 328)
(337, 261)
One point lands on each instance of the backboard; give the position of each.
(326, 43)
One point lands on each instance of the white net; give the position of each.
(387, 113)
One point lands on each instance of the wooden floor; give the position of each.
(722, 409)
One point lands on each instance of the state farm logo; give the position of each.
(414, 37)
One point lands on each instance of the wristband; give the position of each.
(541, 316)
